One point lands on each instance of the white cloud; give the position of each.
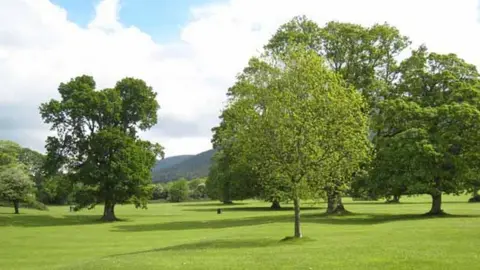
(39, 48)
(107, 16)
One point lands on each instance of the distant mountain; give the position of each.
(188, 167)
(170, 162)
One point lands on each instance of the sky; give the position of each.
(189, 51)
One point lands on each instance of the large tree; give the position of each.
(365, 57)
(430, 131)
(97, 142)
(286, 109)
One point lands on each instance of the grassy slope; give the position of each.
(193, 236)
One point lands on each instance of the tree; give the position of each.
(233, 179)
(365, 57)
(197, 188)
(472, 181)
(16, 186)
(229, 179)
(97, 141)
(54, 189)
(158, 192)
(32, 160)
(285, 109)
(200, 192)
(178, 191)
(430, 131)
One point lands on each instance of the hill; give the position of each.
(188, 167)
(170, 162)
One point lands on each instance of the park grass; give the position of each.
(246, 236)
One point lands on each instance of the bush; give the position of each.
(200, 192)
(178, 191)
(197, 188)
(159, 192)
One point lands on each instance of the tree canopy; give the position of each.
(97, 141)
(365, 57)
(430, 129)
(16, 186)
(285, 110)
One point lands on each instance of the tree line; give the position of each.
(180, 190)
(23, 181)
(345, 109)
(324, 112)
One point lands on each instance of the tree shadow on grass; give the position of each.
(372, 219)
(397, 204)
(25, 220)
(210, 244)
(252, 209)
(209, 204)
(349, 219)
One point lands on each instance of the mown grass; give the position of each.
(246, 236)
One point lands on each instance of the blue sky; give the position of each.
(162, 19)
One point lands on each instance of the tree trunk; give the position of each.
(330, 202)
(436, 205)
(275, 205)
(475, 198)
(340, 207)
(227, 202)
(396, 199)
(109, 212)
(296, 205)
(335, 204)
(226, 196)
(16, 206)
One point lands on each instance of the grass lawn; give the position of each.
(245, 236)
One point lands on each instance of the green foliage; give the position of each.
(197, 188)
(229, 179)
(178, 191)
(30, 162)
(200, 192)
(365, 57)
(55, 189)
(9, 152)
(429, 133)
(283, 118)
(158, 192)
(16, 186)
(97, 142)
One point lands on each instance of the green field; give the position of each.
(245, 236)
